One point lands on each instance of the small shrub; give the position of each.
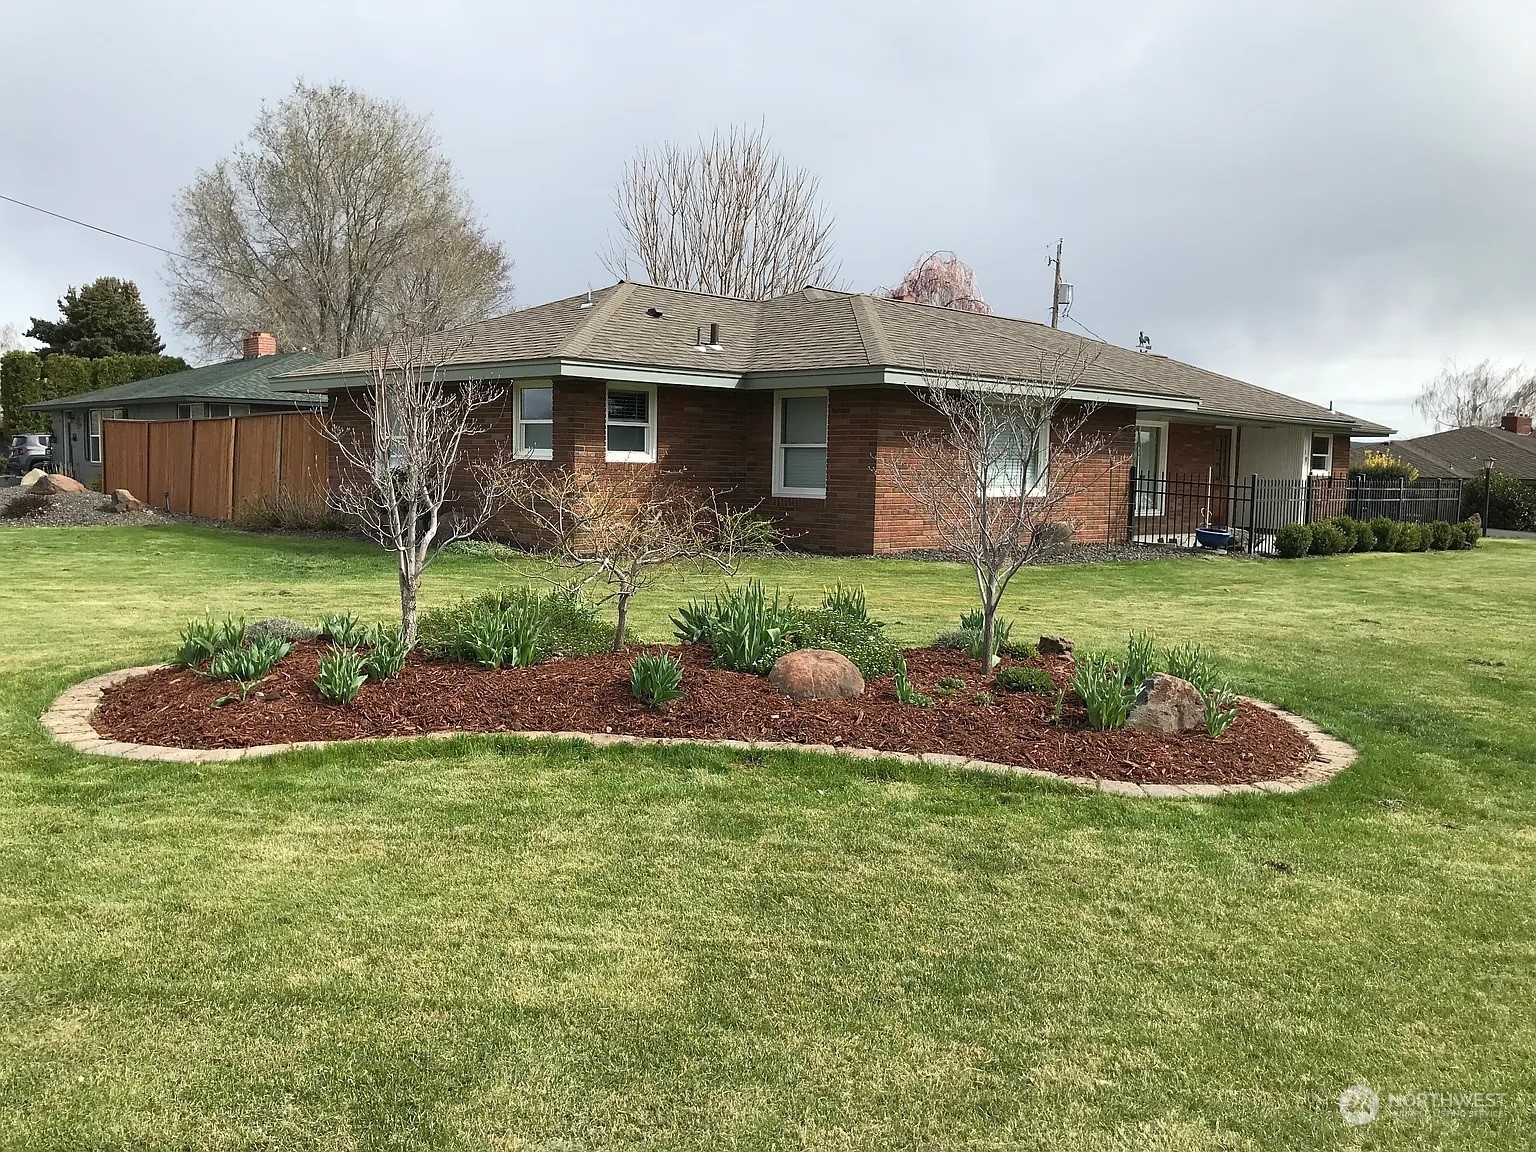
(569, 624)
(1440, 535)
(746, 630)
(1293, 541)
(950, 683)
(343, 629)
(905, 692)
(984, 699)
(1365, 537)
(1459, 537)
(386, 651)
(1328, 540)
(1349, 528)
(25, 505)
(342, 675)
(1220, 710)
(655, 679)
(288, 512)
(1472, 531)
(962, 638)
(204, 639)
(1018, 649)
(1103, 691)
(843, 624)
(280, 627)
(1423, 538)
(1406, 538)
(505, 636)
(1024, 680)
(1384, 533)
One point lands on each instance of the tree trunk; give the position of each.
(410, 581)
(623, 624)
(988, 631)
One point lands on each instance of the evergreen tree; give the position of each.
(104, 318)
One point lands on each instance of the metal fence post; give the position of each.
(1130, 509)
(1487, 495)
(1253, 512)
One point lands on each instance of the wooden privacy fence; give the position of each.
(215, 468)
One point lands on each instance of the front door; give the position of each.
(1221, 477)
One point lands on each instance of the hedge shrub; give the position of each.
(1329, 540)
(1293, 541)
(1511, 503)
(1384, 529)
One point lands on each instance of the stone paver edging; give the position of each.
(69, 720)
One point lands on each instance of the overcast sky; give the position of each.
(1328, 198)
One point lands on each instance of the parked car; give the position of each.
(29, 451)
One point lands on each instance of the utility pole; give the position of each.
(1056, 290)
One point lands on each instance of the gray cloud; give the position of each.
(1324, 198)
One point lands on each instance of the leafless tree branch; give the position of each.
(1479, 395)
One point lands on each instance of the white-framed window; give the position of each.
(93, 433)
(631, 427)
(1020, 466)
(1322, 453)
(1151, 463)
(534, 422)
(800, 443)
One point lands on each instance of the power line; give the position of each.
(1015, 256)
(1085, 328)
(96, 228)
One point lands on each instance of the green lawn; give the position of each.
(494, 945)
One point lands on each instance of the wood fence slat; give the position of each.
(213, 468)
(170, 465)
(256, 459)
(125, 456)
(302, 467)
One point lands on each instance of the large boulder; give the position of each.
(816, 674)
(54, 485)
(1056, 646)
(125, 501)
(1167, 704)
(32, 477)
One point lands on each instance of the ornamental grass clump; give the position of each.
(1098, 682)
(342, 675)
(505, 636)
(202, 640)
(386, 651)
(1024, 680)
(655, 679)
(343, 629)
(569, 625)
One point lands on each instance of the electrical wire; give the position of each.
(95, 228)
(1085, 328)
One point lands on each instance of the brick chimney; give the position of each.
(260, 344)
(1516, 423)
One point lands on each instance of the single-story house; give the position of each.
(791, 403)
(1465, 452)
(232, 388)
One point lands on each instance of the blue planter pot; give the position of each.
(1213, 537)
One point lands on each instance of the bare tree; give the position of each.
(401, 462)
(944, 280)
(619, 524)
(337, 225)
(1479, 395)
(997, 475)
(728, 217)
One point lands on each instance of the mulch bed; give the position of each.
(175, 707)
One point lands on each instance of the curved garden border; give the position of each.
(69, 720)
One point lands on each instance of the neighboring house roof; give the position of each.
(247, 380)
(821, 331)
(1461, 452)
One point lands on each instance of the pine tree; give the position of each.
(104, 318)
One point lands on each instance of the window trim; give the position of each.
(522, 451)
(649, 455)
(93, 420)
(1157, 507)
(1040, 452)
(1312, 454)
(779, 488)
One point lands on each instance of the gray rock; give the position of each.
(281, 627)
(1056, 646)
(1167, 704)
(32, 478)
(816, 674)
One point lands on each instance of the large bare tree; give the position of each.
(944, 280)
(1479, 395)
(728, 216)
(403, 481)
(618, 525)
(338, 224)
(998, 469)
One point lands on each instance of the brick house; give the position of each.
(793, 403)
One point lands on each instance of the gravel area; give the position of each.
(75, 510)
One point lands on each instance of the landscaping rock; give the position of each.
(53, 485)
(1167, 704)
(1056, 646)
(816, 674)
(125, 501)
(32, 478)
(280, 627)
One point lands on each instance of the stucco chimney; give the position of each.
(1515, 422)
(260, 344)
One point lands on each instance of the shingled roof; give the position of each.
(817, 330)
(246, 380)
(1461, 452)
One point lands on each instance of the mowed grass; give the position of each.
(486, 944)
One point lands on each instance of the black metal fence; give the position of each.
(1171, 509)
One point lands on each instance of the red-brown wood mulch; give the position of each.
(175, 707)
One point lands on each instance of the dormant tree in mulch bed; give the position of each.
(175, 707)
(996, 478)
